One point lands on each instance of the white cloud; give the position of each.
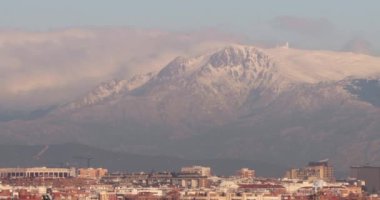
(42, 68)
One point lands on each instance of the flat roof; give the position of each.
(364, 166)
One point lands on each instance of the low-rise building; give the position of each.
(246, 173)
(203, 171)
(187, 180)
(37, 172)
(92, 173)
(320, 170)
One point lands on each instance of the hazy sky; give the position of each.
(326, 24)
(352, 15)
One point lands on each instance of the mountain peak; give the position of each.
(233, 69)
(241, 64)
(232, 58)
(234, 55)
(175, 67)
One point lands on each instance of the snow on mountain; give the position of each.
(107, 90)
(239, 101)
(246, 66)
(234, 73)
(277, 67)
(235, 66)
(304, 66)
(217, 82)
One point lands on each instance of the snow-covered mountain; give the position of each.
(284, 105)
(108, 90)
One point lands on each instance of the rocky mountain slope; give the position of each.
(280, 105)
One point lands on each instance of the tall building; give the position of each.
(200, 170)
(321, 170)
(246, 173)
(369, 174)
(314, 170)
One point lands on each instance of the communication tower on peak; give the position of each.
(286, 46)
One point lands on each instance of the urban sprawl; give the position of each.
(314, 181)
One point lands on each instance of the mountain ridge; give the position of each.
(277, 104)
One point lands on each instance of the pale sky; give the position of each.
(352, 15)
(273, 20)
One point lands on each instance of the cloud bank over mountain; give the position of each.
(45, 68)
(42, 69)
